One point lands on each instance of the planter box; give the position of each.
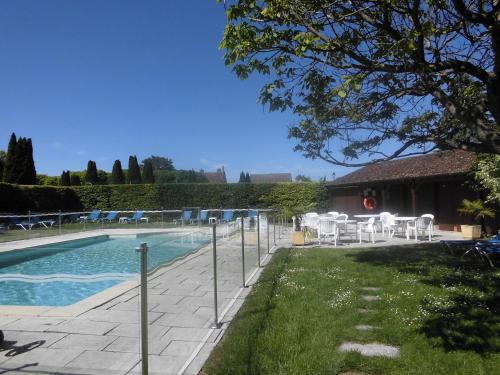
(298, 238)
(251, 238)
(471, 232)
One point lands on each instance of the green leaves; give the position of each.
(362, 71)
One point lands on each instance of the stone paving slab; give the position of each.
(85, 342)
(133, 345)
(371, 350)
(104, 361)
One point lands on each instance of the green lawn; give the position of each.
(441, 311)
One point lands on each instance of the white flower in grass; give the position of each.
(342, 298)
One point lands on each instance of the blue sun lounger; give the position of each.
(92, 217)
(228, 216)
(482, 248)
(136, 217)
(111, 216)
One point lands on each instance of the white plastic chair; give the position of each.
(327, 227)
(334, 214)
(430, 216)
(388, 224)
(419, 226)
(309, 220)
(367, 227)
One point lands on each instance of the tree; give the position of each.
(374, 79)
(27, 172)
(65, 179)
(159, 163)
(75, 180)
(12, 165)
(147, 172)
(19, 165)
(247, 178)
(102, 177)
(91, 174)
(487, 175)
(117, 175)
(2, 163)
(242, 177)
(302, 178)
(134, 172)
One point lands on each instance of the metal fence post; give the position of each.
(274, 230)
(162, 222)
(243, 250)
(29, 224)
(143, 249)
(258, 237)
(267, 228)
(214, 248)
(59, 222)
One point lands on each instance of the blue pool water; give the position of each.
(94, 264)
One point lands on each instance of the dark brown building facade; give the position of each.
(435, 183)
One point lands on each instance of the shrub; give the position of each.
(155, 196)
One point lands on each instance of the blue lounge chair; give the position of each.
(92, 217)
(482, 248)
(136, 217)
(228, 216)
(47, 223)
(27, 223)
(202, 217)
(111, 216)
(186, 216)
(485, 249)
(252, 213)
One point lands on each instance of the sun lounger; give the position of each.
(202, 217)
(136, 217)
(111, 216)
(228, 216)
(482, 248)
(92, 217)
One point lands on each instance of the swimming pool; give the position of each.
(64, 273)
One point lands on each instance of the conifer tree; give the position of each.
(247, 178)
(134, 172)
(242, 177)
(91, 174)
(65, 179)
(11, 168)
(147, 173)
(75, 180)
(2, 163)
(27, 172)
(117, 175)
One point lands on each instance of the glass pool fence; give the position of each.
(168, 315)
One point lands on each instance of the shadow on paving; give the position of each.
(470, 318)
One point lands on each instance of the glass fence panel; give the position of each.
(229, 265)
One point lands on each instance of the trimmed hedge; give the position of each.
(19, 199)
(15, 198)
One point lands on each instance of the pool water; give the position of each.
(65, 273)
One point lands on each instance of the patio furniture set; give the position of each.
(333, 224)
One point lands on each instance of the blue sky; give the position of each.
(102, 80)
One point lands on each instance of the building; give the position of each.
(218, 177)
(434, 183)
(264, 178)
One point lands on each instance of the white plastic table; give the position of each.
(405, 219)
(367, 216)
